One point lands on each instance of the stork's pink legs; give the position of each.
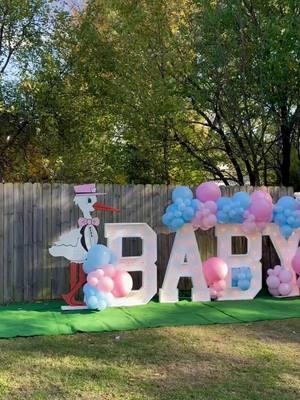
(77, 280)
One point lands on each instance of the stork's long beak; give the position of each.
(103, 207)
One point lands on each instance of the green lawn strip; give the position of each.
(46, 318)
(253, 361)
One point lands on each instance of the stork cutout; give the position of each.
(75, 244)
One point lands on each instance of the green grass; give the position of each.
(258, 361)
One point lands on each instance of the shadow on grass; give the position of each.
(255, 361)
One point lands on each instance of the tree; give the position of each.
(245, 84)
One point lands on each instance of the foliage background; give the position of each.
(150, 91)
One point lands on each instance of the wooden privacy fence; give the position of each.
(32, 217)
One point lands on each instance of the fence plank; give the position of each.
(8, 251)
(28, 241)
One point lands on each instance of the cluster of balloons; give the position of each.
(286, 215)
(97, 256)
(231, 210)
(259, 212)
(241, 277)
(215, 271)
(104, 281)
(279, 281)
(182, 210)
(296, 265)
(206, 215)
(253, 211)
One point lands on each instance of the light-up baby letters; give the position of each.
(185, 261)
(227, 276)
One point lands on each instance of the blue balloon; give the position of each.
(286, 231)
(166, 219)
(188, 214)
(171, 208)
(279, 218)
(97, 256)
(222, 217)
(244, 284)
(195, 203)
(223, 201)
(287, 202)
(182, 192)
(177, 223)
(243, 198)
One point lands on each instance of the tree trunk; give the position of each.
(286, 136)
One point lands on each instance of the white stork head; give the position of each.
(88, 204)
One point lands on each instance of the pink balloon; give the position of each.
(92, 280)
(274, 292)
(214, 269)
(213, 293)
(220, 285)
(208, 191)
(285, 276)
(209, 221)
(273, 282)
(284, 289)
(211, 206)
(270, 271)
(98, 273)
(261, 194)
(249, 227)
(261, 209)
(122, 284)
(105, 284)
(277, 269)
(296, 262)
(109, 270)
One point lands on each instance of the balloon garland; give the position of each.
(253, 211)
(104, 281)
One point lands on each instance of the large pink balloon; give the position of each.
(220, 285)
(122, 284)
(261, 194)
(262, 210)
(296, 262)
(214, 269)
(208, 191)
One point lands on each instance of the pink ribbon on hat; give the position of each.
(88, 221)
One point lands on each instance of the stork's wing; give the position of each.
(71, 238)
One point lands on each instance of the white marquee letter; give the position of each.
(251, 259)
(185, 261)
(146, 262)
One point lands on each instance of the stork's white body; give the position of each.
(73, 245)
(70, 244)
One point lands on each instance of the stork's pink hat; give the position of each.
(87, 190)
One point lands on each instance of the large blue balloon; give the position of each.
(182, 192)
